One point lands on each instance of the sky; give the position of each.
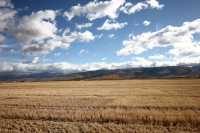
(77, 35)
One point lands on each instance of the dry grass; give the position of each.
(101, 106)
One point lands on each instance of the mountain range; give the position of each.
(168, 72)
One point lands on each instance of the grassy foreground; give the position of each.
(141, 106)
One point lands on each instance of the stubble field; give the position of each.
(140, 106)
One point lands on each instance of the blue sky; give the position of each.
(105, 33)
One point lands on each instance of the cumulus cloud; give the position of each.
(37, 26)
(155, 4)
(130, 8)
(7, 14)
(38, 33)
(146, 23)
(6, 17)
(112, 25)
(35, 31)
(64, 41)
(96, 9)
(82, 26)
(83, 36)
(180, 39)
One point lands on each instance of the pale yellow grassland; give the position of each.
(101, 106)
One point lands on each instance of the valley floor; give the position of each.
(141, 106)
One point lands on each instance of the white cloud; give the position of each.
(6, 3)
(2, 39)
(157, 57)
(110, 8)
(83, 51)
(111, 35)
(37, 26)
(99, 36)
(66, 67)
(35, 60)
(38, 33)
(6, 17)
(6, 67)
(82, 26)
(7, 14)
(112, 25)
(104, 59)
(155, 4)
(65, 41)
(83, 36)
(35, 32)
(96, 9)
(60, 67)
(142, 62)
(130, 8)
(146, 23)
(179, 38)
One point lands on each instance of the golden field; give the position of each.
(121, 106)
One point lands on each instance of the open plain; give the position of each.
(140, 106)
